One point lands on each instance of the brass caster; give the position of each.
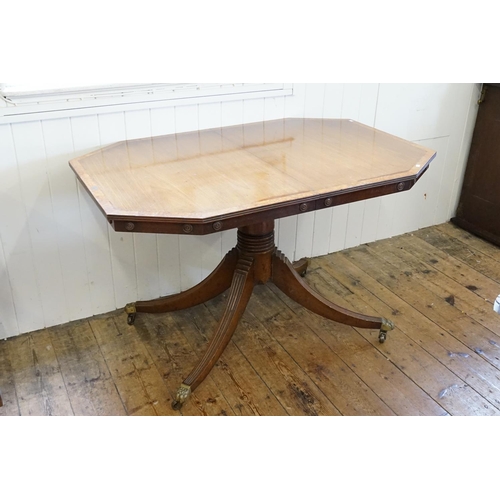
(131, 312)
(176, 405)
(181, 397)
(387, 326)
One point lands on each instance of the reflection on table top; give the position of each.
(213, 173)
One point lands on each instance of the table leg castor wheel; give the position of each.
(181, 397)
(131, 312)
(176, 405)
(387, 326)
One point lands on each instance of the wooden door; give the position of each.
(479, 208)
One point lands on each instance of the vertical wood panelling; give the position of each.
(464, 148)
(274, 108)
(426, 194)
(315, 100)
(123, 264)
(16, 239)
(465, 112)
(313, 227)
(313, 108)
(8, 318)
(360, 104)
(95, 227)
(295, 105)
(287, 229)
(322, 234)
(253, 110)
(17, 254)
(338, 228)
(70, 239)
(32, 165)
(60, 260)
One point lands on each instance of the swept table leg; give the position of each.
(240, 293)
(289, 282)
(215, 284)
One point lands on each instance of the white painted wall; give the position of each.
(61, 261)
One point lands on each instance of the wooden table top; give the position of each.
(212, 180)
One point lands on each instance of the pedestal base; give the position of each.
(255, 260)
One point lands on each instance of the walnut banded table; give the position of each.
(246, 177)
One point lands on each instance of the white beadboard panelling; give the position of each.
(321, 232)
(427, 192)
(359, 103)
(465, 112)
(338, 228)
(305, 234)
(295, 105)
(330, 95)
(123, 263)
(190, 248)
(464, 149)
(186, 119)
(95, 227)
(306, 230)
(210, 116)
(8, 318)
(386, 216)
(315, 99)
(211, 253)
(420, 111)
(231, 113)
(169, 264)
(274, 108)
(32, 166)
(16, 242)
(60, 260)
(287, 233)
(253, 111)
(354, 229)
(64, 192)
(370, 221)
(334, 96)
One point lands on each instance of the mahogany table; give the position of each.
(246, 177)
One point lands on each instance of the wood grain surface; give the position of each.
(437, 284)
(220, 175)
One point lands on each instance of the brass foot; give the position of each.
(131, 311)
(181, 397)
(387, 326)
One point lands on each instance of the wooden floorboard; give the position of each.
(438, 285)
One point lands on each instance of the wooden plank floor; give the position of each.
(438, 285)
